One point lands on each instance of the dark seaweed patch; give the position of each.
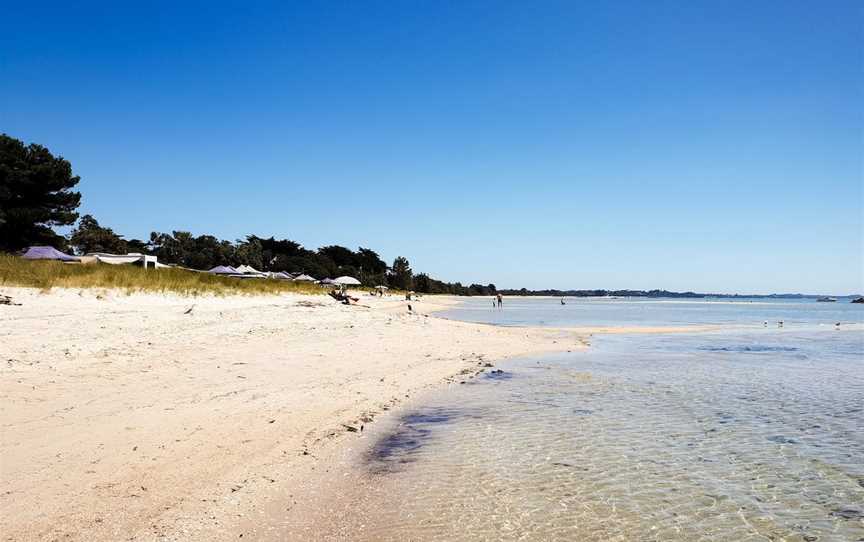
(414, 430)
(439, 416)
(498, 374)
(848, 513)
(402, 442)
(725, 417)
(754, 348)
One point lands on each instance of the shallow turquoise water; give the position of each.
(654, 312)
(748, 433)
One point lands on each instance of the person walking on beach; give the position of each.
(500, 302)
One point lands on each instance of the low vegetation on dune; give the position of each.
(43, 274)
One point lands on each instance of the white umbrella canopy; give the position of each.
(304, 278)
(248, 269)
(346, 281)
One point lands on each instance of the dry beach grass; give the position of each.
(45, 275)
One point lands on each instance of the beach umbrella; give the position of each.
(304, 278)
(327, 281)
(346, 281)
(249, 269)
(382, 288)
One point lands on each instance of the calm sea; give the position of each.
(753, 432)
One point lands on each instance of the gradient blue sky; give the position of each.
(711, 146)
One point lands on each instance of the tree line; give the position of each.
(37, 195)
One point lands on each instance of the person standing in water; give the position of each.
(500, 302)
(493, 301)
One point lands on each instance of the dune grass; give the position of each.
(45, 274)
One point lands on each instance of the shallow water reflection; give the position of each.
(718, 436)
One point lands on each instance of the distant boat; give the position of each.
(827, 299)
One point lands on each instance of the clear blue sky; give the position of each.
(709, 145)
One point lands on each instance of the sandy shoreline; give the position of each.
(131, 417)
(163, 417)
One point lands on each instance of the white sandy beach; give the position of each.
(123, 417)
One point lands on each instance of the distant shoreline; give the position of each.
(662, 294)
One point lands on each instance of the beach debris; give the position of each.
(6, 300)
(569, 465)
(189, 310)
(350, 428)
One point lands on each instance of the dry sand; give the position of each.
(159, 417)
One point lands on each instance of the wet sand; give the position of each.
(152, 417)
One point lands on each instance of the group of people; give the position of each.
(497, 301)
